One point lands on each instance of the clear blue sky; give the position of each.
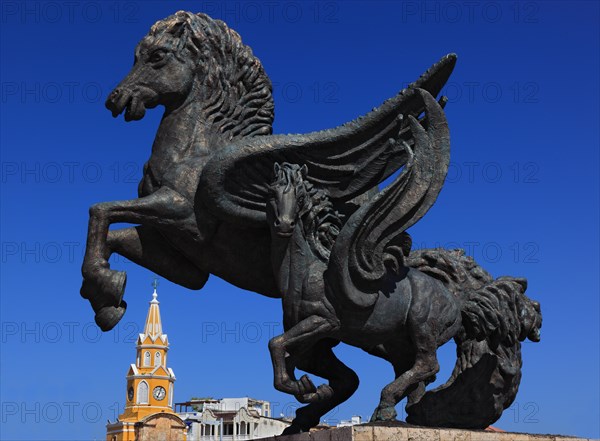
(521, 196)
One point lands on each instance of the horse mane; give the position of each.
(500, 298)
(322, 223)
(454, 268)
(239, 102)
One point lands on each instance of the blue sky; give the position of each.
(521, 195)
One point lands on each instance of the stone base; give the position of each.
(405, 432)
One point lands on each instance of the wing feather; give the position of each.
(347, 160)
(371, 244)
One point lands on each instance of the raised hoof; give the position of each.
(324, 392)
(384, 414)
(306, 386)
(112, 284)
(107, 317)
(105, 288)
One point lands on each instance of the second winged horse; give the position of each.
(355, 282)
(411, 312)
(350, 282)
(202, 201)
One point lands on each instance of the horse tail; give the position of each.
(487, 373)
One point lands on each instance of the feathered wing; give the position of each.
(371, 243)
(347, 161)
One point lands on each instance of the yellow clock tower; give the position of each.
(149, 399)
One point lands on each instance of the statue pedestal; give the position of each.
(405, 432)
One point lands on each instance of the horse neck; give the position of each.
(192, 129)
(291, 257)
(183, 132)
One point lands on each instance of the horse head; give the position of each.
(289, 198)
(192, 58)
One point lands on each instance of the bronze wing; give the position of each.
(347, 160)
(371, 245)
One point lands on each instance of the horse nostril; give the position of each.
(292, 224)
(115, 93)
(277, 223)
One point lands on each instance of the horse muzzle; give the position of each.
(284, 227)
(133, 102)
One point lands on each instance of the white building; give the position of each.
(229, 419)
(356, 419)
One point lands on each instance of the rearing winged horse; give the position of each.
(402, 314)
(202, 198)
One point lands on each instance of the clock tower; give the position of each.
(149, 388)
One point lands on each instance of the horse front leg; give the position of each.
(147, 247)
(343, 382)
(102, 286)
(299, 339)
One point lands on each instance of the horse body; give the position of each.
(179, 154)
(406, 325)
(177, 237)
(414, 298)
(218, 105)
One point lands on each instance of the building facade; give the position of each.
(148, 414)
(229, 419)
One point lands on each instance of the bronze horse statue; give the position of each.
(199, 214)
(202, 208)
(413, 315)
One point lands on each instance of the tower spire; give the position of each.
(153, 326)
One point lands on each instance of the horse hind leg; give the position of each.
(343, 382)
(402, 364)
(410, 381)
(146, 246)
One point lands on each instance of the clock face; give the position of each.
(159, 392)
(130, 393)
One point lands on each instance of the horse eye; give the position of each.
(156, 56)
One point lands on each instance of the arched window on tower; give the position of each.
(147, 358)
(157, 359)
(142, 395)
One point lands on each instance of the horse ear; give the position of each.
(276, 168)
(177, 29)
(304, 171)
